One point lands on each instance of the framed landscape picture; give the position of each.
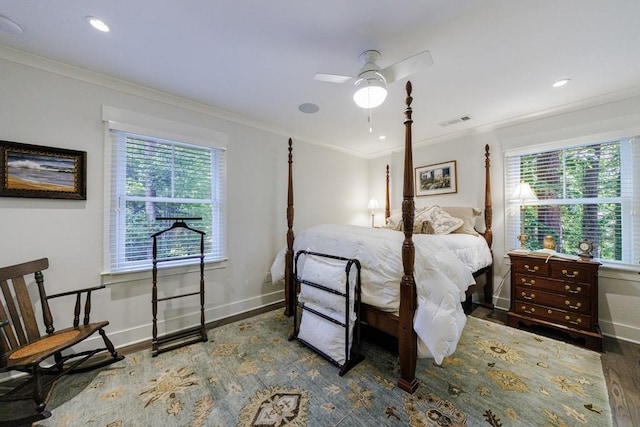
(435, 179)
(43, 172)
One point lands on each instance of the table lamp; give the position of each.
(373, 205)
(523, 193)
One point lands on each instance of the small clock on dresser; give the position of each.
(585, 248)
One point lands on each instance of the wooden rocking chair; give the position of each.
(24, 349)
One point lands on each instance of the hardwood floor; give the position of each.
(620, 365)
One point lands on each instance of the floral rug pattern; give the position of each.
(249, 374)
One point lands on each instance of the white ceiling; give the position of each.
(494, 60)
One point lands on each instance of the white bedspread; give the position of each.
(473, 251)
(441, 278)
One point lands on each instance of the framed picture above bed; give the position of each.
(440, 178)
(42, 172)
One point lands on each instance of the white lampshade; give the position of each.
(523, 193)
(373, 204)
(371, 90)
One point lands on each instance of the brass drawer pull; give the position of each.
(530, 270)
(524, 295)
(531, 311)
(576, 291)
(575, 307)
(566, 273)
(578, 321)
(530, 283)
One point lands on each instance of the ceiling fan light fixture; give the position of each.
(371, 90)
(98, 24)
(561, 83)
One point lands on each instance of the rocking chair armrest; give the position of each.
(76, 292)
(48, 319)
(4, 323)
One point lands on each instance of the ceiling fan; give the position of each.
(371, 81)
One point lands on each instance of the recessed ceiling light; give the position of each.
(98, 24)
(382, 137)
(308, 108)
(561, 83)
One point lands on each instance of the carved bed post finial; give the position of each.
(387, 208)
(407, 339)
(289, 285)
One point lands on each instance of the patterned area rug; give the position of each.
(249, 374)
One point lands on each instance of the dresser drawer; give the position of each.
(531, 266)
(556, 286)
(572, 272)
(569, 303)
(572, 320)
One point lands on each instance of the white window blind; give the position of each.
(153, 178)
(588, 191)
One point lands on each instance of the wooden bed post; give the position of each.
(488, 209)
(387, 209)
(289, 284)
(488, 233)
(407, 339)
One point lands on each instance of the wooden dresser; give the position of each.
(556, 293)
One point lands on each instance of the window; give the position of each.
(152, 178)
(588, 191)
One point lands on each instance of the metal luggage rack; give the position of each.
(353, 355)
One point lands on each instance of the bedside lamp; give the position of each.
(523, 194)
(372, 206)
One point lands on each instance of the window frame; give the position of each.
(629, 201)
(163, 130)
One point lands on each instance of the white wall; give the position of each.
(619, 290)
(46, 103)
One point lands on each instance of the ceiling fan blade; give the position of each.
(408, 66)
(331, 78)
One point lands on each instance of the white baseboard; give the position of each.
(141, 333)
(622, 332)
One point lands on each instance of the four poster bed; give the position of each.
(426, 319)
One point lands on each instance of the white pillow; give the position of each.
(331, 274)
(325, 335)
(468, 215)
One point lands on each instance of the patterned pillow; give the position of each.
(439, 220)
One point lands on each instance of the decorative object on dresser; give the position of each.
(549, 243)
(557, 293)
(585, 248)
